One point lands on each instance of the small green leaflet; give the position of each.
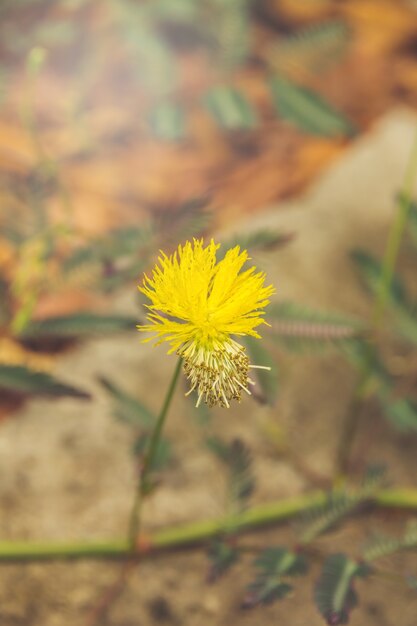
(78, 325)
(273, 564)
(307, 110)
(127, 407)
(259, 240)
(267, 379)
(230, 108)
(222, 557)
(403, 309)
(298, 327)
(237, 458)
(168, 121)
(310, 49)
(334, 594)
(24, 381)
(401, 413)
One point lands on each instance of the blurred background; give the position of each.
(174, 112)
(129, 126)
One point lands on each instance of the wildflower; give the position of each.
(197, 304)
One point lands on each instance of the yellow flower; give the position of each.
(197, 304)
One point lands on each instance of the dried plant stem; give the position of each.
(353, 413)
(189, 534)
(143, 484)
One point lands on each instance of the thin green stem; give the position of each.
(352, 417)
(148, 462)
(192, 533)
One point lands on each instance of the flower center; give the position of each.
(218, 372)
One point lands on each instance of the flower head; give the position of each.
(197, 304)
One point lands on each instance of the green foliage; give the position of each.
(310, 49)
(307, 110)
(402, 308)
(127, 407)
(191, 219)
(163, 453)
(402, 414)
(382, 546)
(78, 325)
(339, 505)
(412, 222)
(273, 564)
(152, 59)
(222, 555)
(257, 241)
(168, 121)
(299, 327)
(117, 244)
(230, 26)
(361, 353)
(267, 379)
(334, 594)
(237, 459)
(24, 381)
(130, 410)
(230, 108)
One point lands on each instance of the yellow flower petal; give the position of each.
(196, 305)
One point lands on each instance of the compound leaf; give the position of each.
(272, 565)
(78, 325)
(231, 109)
(24, 381)
(299, 327)
(334, 594)
(222, 557)
(127, 407)
(307, 110)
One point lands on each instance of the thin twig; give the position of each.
(190, 534)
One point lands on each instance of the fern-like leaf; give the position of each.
(307, 110)
(381, 545)
(77, 325)
(163, 453)
(168, 121)
(127, 407)
(319, 520)
(222, 556)
(230, 108)
(412, 222)
(267, 379)
(23, 381)
(402, 413)
(237, 458)
(258, 241)
(403, 308)
(231, 28)
(334, 594)
(273, 566)
(298, 327)
(309, 50)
